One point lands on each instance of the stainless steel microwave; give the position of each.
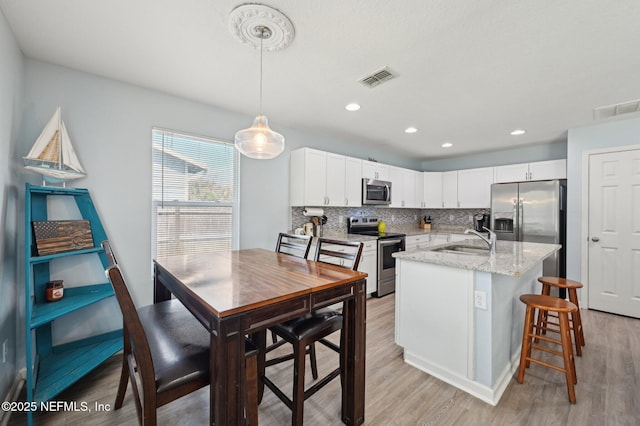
(377, 192)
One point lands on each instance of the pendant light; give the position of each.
(260, 26)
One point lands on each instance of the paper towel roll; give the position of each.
(311, 211)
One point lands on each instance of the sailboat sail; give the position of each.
(52, 155)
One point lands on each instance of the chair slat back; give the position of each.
(342, 253)
(294, 244)
(134, 328)
(111, 257)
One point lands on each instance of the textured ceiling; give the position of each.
(468, 71)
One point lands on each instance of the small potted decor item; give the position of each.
(55, 291)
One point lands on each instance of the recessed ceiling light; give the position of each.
(352, 107)
(410, 130)
(447, 145)
(518, 132)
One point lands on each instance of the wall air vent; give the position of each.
(600, 113)
(378, 77)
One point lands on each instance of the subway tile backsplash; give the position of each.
(441, 218)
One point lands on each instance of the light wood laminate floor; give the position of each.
(608, 389)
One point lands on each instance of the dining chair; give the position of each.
(304, 331)
(294, 245)
(166, 353)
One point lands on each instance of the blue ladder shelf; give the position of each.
(56, 367)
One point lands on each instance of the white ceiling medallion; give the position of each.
(246, 18)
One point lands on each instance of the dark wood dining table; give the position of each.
(239, 293)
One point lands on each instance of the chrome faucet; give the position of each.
(491, 241)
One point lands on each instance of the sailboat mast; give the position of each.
(60, 144)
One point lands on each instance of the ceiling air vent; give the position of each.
(600, 113)
(377, 77)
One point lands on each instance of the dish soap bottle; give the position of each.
(382, 226)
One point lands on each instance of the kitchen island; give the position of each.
(458, 314)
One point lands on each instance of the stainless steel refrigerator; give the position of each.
(532, 212)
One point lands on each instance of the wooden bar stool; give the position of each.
(544, 303)
(576, 319)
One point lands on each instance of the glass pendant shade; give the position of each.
(259, 141)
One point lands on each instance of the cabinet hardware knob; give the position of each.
(595, 239)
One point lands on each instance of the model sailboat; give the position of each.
(52, 155)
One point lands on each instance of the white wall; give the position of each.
(110, 125)
(11, 93)
(540, 152)
(613, 133)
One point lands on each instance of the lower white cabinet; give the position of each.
(417, 242)
(459, 237)
(369, 264)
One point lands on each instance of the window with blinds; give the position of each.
(195, 194)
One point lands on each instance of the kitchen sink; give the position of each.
(461, 249)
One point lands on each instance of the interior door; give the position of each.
(614, 232)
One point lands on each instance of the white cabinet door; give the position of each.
(419, 190)
(409, 188)
(450, 189)
(540, 170)
(353, 182)
(435, 240)
(373, 170)
(544, 170)
(433, 189)
(417, 242)
(511, 173)
(369, 265)
(396, 176)
(308, 177)
(335, 180)
(474, 188)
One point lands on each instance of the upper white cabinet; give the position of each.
(545, 170)
(541, 170)
(450, 189)
(353, 182)
(397, 186)
(432, 189)
(469, 188)
(419, 190)
(373, 170)
(474, 187)
(319, 178)
(403, 189)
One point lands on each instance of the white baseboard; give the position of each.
(13, 395)
(490, 395)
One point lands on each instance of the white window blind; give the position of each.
(195, 194)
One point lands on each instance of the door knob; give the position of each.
(595, 239)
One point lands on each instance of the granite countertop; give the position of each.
(416, 230)
(400, 229)
(511, 258)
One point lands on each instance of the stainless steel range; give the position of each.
(388, 243)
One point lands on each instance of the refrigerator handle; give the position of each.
(520, 219)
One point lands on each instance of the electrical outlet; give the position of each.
(480, 300)
(4, 350)
(415, 217)
(393, 218)
(471, 218)
(340, 219)
(450, 218)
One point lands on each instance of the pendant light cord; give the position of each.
(261, 41)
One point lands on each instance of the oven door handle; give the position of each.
(389, 242)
